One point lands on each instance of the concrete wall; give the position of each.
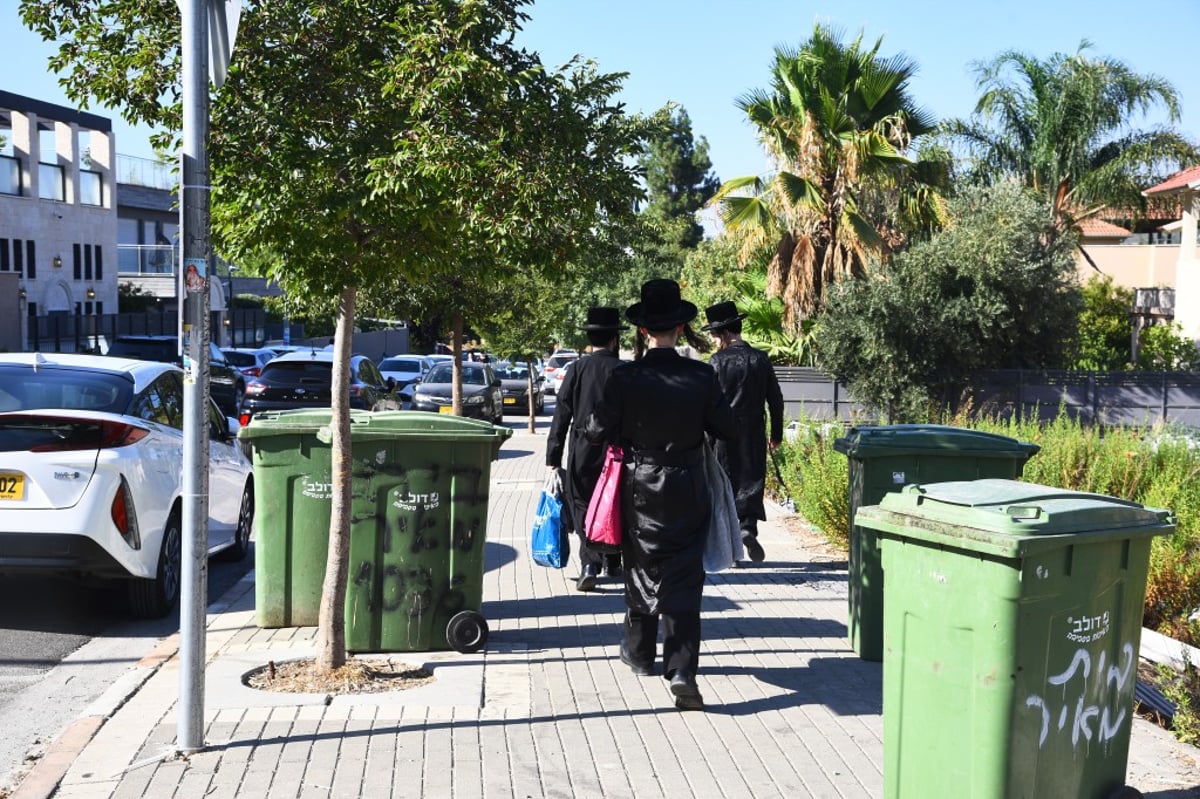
(1133, 266)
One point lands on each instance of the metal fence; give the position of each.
(67, 333)
(1105, 398)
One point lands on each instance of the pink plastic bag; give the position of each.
(603, 520)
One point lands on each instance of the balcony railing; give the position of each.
(146, 259)
(152, 174)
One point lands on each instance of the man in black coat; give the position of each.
(659, 409)
(579, 394)
(748, 380)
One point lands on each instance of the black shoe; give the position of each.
(687, 695)
(612, 569)
(753, 548)
(637, 668)
(587, 580)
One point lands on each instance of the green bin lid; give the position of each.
(1009, 517)
(925, 439)
(419, 425)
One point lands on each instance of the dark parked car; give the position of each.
(514, 383)
(226, 383)
(305, 380)
(482, 398)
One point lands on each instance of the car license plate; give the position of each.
(446, 409)
(12, 486)
(510, 400)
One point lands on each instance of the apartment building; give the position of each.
(58, 216)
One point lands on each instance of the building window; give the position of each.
(10, 175)
(90, 188)
(32, 307)
(18, 257)
(52, 182)
(87, 262)
(79, 309)
(78, 266)
(99, 309)
(3, 255)
(87, 308)
(31, 259)
(99, 263)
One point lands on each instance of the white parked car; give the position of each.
(556, 369)
(91, 474)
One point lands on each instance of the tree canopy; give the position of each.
(996, 289)
(1066, 127)
(839, 122)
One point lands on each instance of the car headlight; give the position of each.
(478, 399)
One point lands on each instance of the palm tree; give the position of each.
(838, 122)
(1062, 127)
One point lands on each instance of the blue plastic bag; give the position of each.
(549, 543)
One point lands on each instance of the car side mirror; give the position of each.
(496, 383)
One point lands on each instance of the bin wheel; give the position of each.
(1125, 792)
(467, 632)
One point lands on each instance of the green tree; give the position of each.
(1165, 348)
(1063, 127)
(366, 138)
(1104, 337)
(679, 181)
(994, 290)
(838, 121)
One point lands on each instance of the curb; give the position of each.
(41, 781)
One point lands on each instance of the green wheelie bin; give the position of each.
(419, 500)
(886, 458)
(1011, 635)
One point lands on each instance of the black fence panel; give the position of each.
(1105, 398)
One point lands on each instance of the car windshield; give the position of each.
(444, 373)
(25, 389)
(400, 365)
(514, 373)
(146, 349)
(561, 360)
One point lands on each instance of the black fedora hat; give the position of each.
(721, 315)
(603, 318)
(661, 307)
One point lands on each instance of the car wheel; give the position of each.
(245, 523)
(154, 598)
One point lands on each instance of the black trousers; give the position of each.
(681, 640)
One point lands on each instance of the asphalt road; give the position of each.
(62, 645)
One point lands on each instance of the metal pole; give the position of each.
(197, 263)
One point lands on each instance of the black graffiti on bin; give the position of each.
(397, 585)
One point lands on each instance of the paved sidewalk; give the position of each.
(546, 710)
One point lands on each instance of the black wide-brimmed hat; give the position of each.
(661, 307)
(721, 315)
(601, 318)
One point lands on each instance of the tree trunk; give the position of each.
(331, 622)
(456, 342)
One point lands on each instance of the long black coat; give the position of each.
(659, 409)
(578, 396)
(749, 383)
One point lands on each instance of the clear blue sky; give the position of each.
(703, 54)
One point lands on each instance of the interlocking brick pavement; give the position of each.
(547, 709)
